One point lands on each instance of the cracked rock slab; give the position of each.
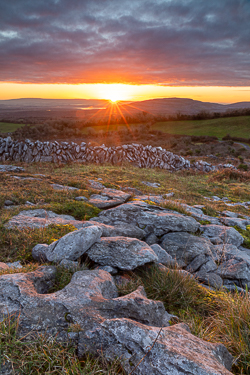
(152, 219)
(10, 168)
(124, 327)
(219, 234)
(39, 218)
(121, 252)
(184, 247)
(176, 350)
(109, 198)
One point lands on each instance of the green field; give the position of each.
(7, 127)
(235, 126)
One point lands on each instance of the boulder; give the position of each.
(184, 247)
(212, 279)
(74, 244)
(122, 229)
(219, 234)
(232, 221)
(11, 168)
(152, 219)
(233, 269)
(163, 256)
(62, 187)
(124, 327)
(39, 253)
(121, 252)
(40, 218)
(170, 350)
(109, 198)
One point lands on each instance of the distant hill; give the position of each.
(36, 110)
(172, 106)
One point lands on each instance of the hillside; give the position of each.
(41, 203)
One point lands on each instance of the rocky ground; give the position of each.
(114, 262)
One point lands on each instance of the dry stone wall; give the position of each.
(63, 152)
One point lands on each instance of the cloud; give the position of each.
(170, 42)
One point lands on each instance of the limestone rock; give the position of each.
(152, 219)
(11, 168)
(74, 244)
(163, 256)
(62, 187)
(184, 247)
(3, 266)
(176, 350)
(39, 253)
(121, 252)
(39, 218)
(219, 234)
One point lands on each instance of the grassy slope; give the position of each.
(235, 126)
(215, 316)
(6, 127)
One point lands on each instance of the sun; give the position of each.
(114, 92)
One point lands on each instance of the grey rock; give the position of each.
(163, 256)
(96, 185)
(151, 239)
(121, 252)
(109, 198)
(235, 269)
(6, 368)
(153, 198)
(69, 264)
(62, 187)
(152, 219)
(209, 266)
(28, 203)
(8, 202)
(230, 214)
(109, 269)
(11, 168)
(199, 215)
(14, 265)
(132, 191)
(90, 298)
(184, 247)
(39, 218)
(122, 229)
(151, 184)
(230, 221)
(3, 266)
(212, 279)
(39, 253)
(74, 244)
(174, 351)
(221, 234)
(81, 198)
(196, 263)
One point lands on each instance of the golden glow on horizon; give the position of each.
(119, 91)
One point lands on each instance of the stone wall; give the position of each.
(63, 152)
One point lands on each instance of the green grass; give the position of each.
(16, 245)
(44, 355)
(6, 127)
(235, 126)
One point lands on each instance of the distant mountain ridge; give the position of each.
(172, 106)
(35, 110)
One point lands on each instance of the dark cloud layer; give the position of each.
(176, 42)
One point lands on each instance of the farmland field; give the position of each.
(235, 126)
(6, 127)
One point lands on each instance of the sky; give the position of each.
(144, 48)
